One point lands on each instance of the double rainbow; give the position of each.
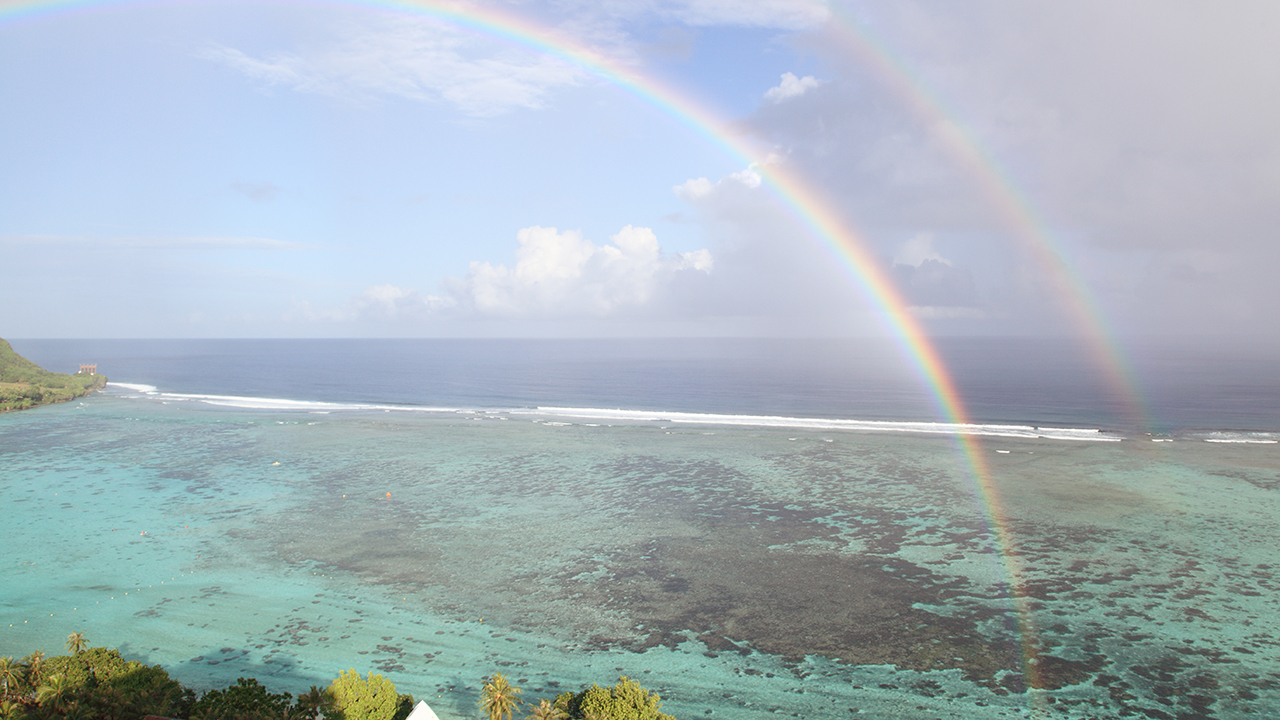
(810, 206)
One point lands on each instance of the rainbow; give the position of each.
(809, 205)
(1015, 209)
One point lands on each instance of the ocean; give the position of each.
(752, 528)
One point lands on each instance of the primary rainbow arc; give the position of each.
(807, 203)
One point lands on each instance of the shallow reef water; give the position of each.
(741, 572)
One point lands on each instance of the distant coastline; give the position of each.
(25, 385)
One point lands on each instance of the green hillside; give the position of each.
(23, 384)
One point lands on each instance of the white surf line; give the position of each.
(1017, 431)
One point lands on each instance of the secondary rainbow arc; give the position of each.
(805, 201)
(1013, 205)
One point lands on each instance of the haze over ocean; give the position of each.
(570, 511)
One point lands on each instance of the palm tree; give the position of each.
(10, 674)
(76, 643)
(546, 711)
(498, 698)
(35, 666)
(55, 693)
(10, 710)
(312, 702)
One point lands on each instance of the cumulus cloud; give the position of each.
(931, 284)
(917, 250)
(564, 274)
(413, 58)
(791, 86)
(697, 188)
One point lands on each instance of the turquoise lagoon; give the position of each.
(741, 568)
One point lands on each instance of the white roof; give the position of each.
(422, 711)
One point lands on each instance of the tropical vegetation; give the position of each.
(498, 698)
(97, 683)
(23, 384)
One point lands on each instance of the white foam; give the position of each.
(136, 387)
(645, 416)
(1250, 438)
(258, 403)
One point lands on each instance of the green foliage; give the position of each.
(56, 693)
(498, 698)
(148, 688)
(246, 699)
(313, 703)
(99, 684)
(546, 710)
(10, 710)
(107, 685)
(105, 663)
(355, 698)
(34, 668)
(624, 701)
(23, 384)
(76, 643)
(12, 676)
(76, 672)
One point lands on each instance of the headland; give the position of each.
(24, 385)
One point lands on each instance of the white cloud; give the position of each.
(564, 274)
(414, 58)
(694, 188)
(1121, 130)
(389, 301)
(791, 86)
(377, 303)
(697, 188)
(917, 250)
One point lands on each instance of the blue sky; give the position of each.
(295, 169)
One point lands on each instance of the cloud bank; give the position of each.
(1133, 141)
(565, 275)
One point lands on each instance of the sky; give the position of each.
(363, 169)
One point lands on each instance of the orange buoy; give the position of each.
(388, 496)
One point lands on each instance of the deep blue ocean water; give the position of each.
(1205, 385)
(752, 528)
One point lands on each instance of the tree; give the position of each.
(76, 643)
(498, 698)
(147, 688)
(624, 701)
(544, 710)
(10, 674)
(35, 667)
(246, 698)
(10, 710)
(313, 702)
(55, 694)
(355, 698)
